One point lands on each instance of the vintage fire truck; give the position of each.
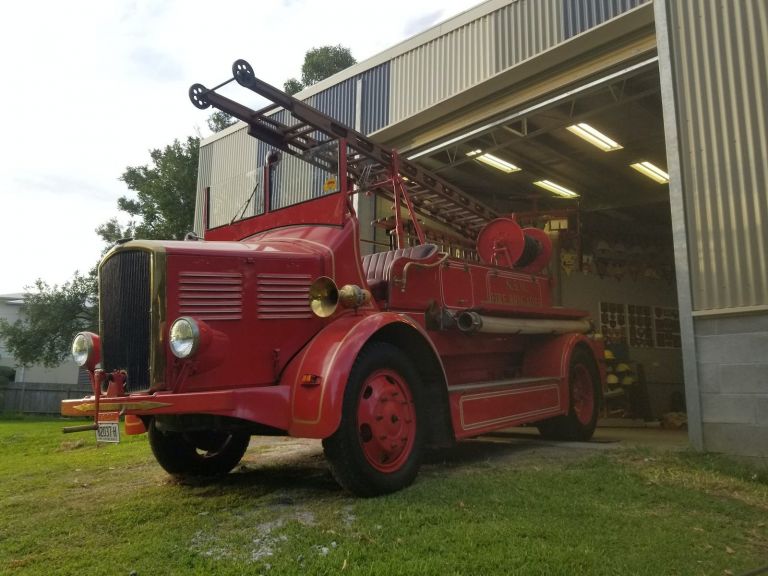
(279, 321)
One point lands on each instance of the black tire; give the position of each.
(379, 444)
(198, 453)
(583, 402)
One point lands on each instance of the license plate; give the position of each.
(109, 427)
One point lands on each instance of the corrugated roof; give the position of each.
(387, 55)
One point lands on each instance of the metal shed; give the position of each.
(679, 84)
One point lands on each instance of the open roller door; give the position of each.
(567, 161)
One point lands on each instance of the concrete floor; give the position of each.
(652, 437)
(616, 435)
(517, 446)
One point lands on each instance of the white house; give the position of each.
(36, 388)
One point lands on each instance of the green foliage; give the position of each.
(164, 206)
(292, 86)
(51, 316)
(162, 209)
(319, 64)
(7, 375)
(220, 120)
(112, 231)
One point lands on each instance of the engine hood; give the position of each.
(245, 248)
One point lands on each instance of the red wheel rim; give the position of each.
(583, 392)
(386, 420)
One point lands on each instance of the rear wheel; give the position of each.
(378, 446)
(197, 453)
(584, 396)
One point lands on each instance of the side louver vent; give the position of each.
(211, 295)
(284, 296)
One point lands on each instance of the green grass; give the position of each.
(70, 507)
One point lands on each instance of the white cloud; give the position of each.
(89, 87)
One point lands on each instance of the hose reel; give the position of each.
(502, 242)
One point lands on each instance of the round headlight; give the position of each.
(185, 337)
(82, 346)
(86, 350)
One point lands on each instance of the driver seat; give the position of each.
(378, 267)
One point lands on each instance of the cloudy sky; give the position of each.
(89, 87)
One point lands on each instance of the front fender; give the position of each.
(318, 375)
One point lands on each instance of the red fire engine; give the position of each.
(272, 323)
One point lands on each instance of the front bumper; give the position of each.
(268, 405)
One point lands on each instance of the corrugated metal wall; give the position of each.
(337, 101)
(499, 40)
(229, 167)
(232, 167)
(375, 98)
(297, 181)
(721, 82)
(411, 82)
(442, 67)
(581, 15)
(524, 29)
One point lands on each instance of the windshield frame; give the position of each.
(327, 209)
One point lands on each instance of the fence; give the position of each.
(38, 398)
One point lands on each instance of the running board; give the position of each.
(508, 383)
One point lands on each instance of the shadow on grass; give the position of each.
(487, 449)
(298, 475)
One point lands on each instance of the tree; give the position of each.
(319, 64)
(164, 206)
(220, 120)
(292, 86)
(52, 316)
(7, 375)
(162, 209)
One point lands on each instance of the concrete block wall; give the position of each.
(732, 355)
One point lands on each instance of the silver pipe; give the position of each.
(474, 322)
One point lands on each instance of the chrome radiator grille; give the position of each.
(125, 316)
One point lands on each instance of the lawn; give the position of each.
(486, 507)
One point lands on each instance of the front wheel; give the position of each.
(378, 446)
(197, 453)
(584, 396)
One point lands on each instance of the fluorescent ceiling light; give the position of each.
(594, 137)
(493, 161)
(498, 163)
(561, 97)
(652, 171)
(556, 189)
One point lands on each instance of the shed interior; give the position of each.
(612, 234)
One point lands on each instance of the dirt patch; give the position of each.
(68, 445)
(518, 447)
(290, 468)
(263, 538)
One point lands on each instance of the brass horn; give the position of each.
(323, 297)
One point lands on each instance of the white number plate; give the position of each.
(109, 428)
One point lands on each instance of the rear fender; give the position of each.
(318, 375)
(551, 357)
